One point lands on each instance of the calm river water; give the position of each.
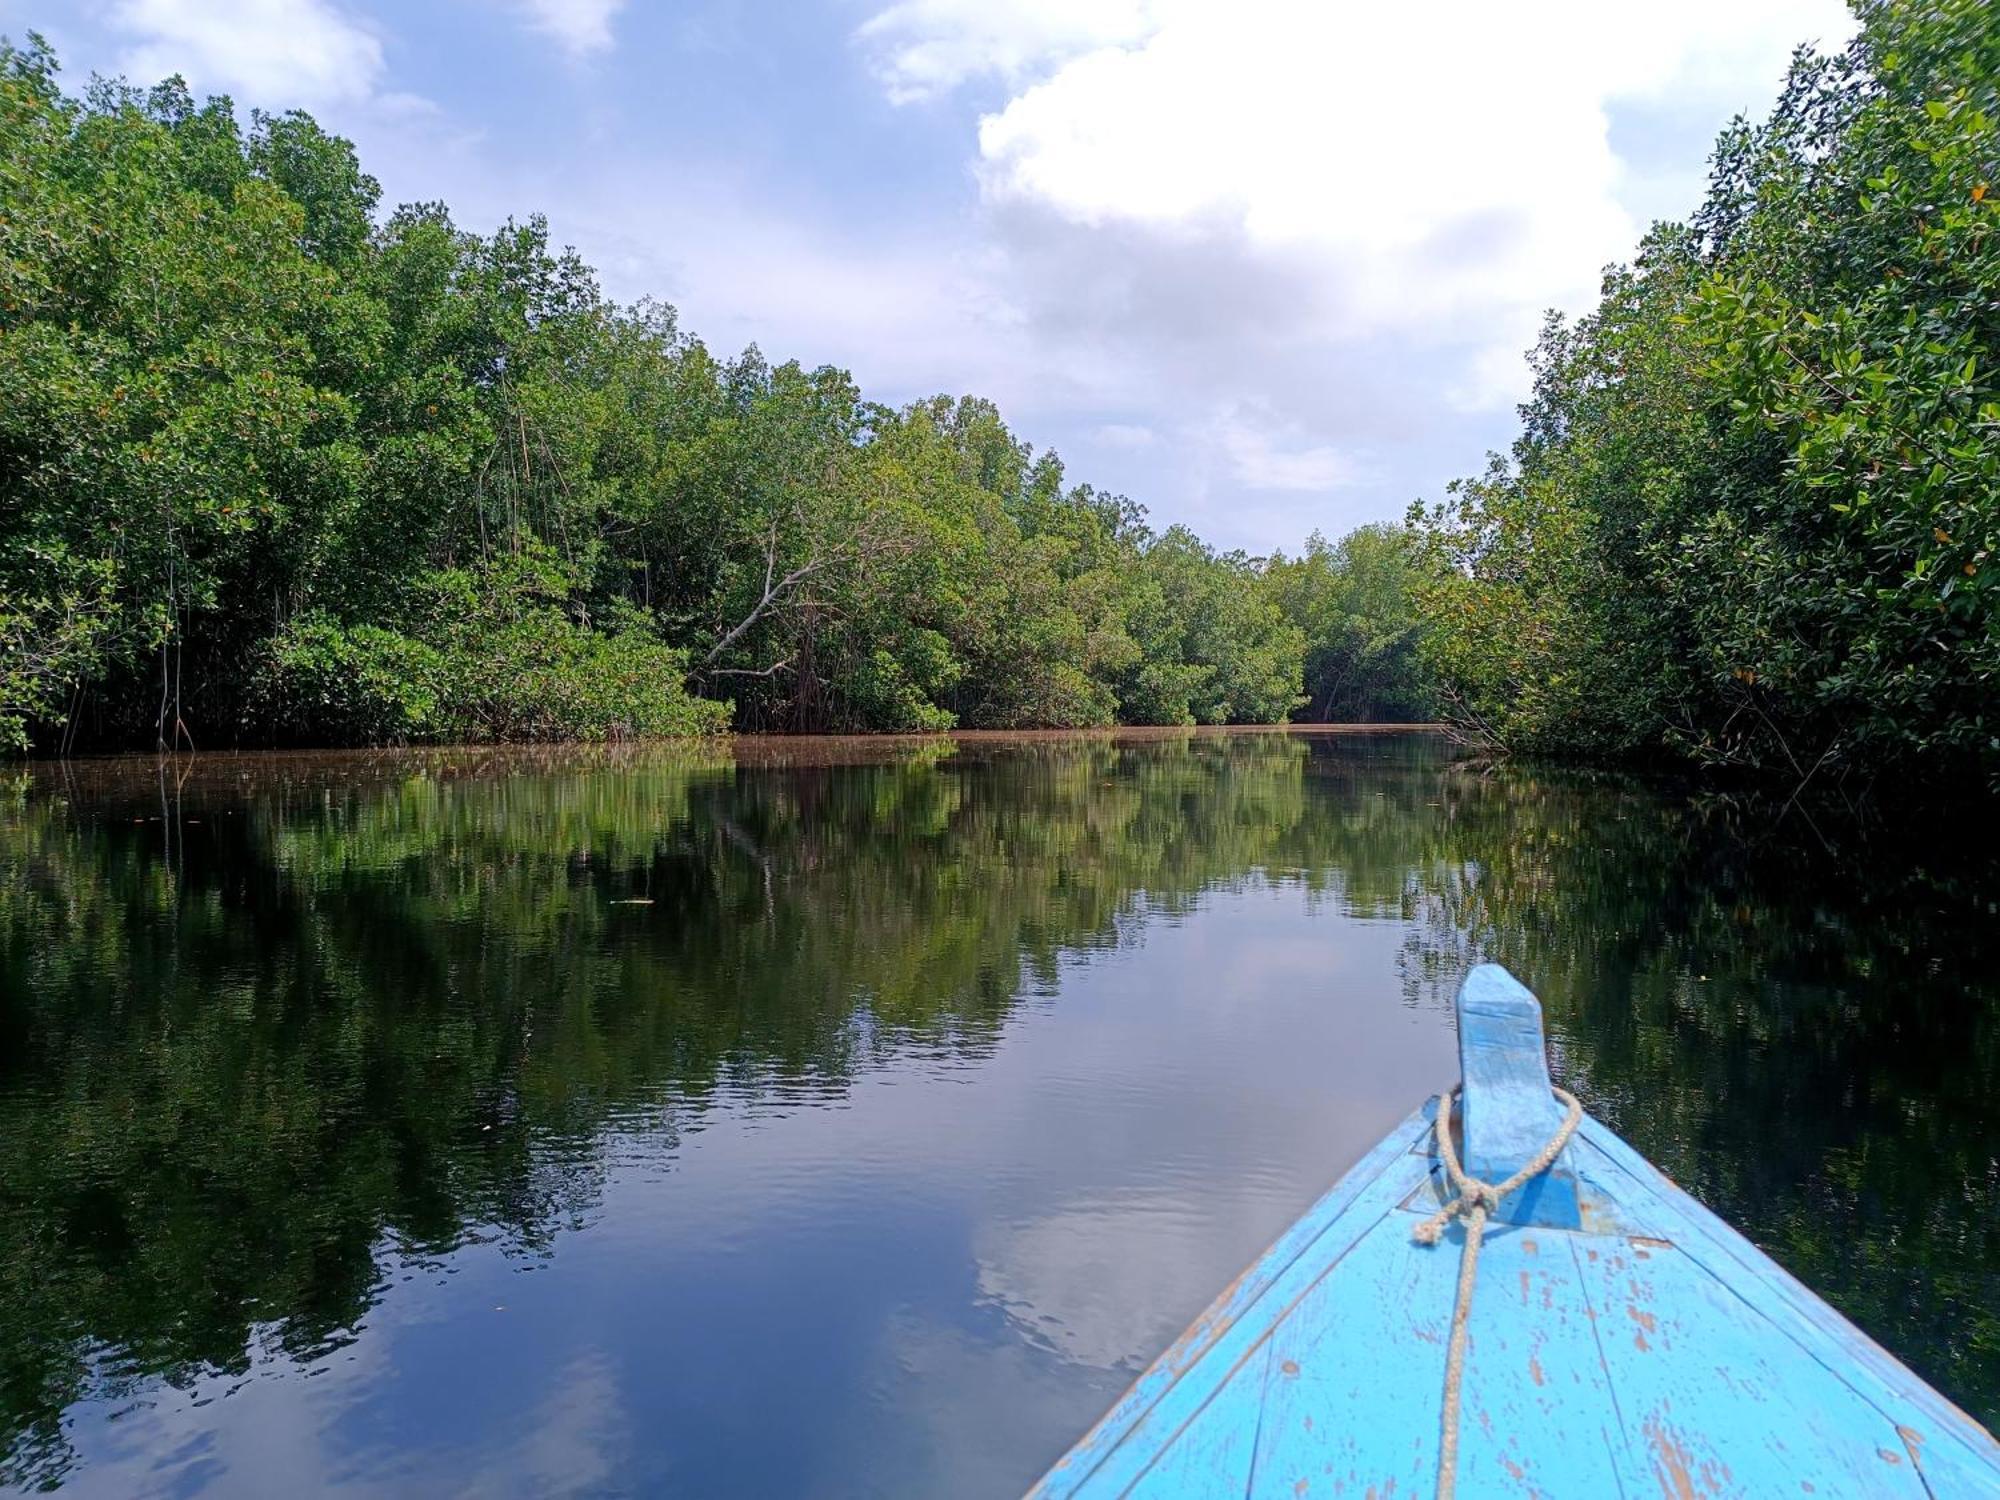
(857, 1117)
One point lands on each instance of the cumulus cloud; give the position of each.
(1296, 235)
(580, 27)
(923, 48)
(1441, 168)
(300, 52)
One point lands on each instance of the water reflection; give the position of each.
(856, 1117)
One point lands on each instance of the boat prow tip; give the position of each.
(1509, 1108)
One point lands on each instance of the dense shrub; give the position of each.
(491, 656)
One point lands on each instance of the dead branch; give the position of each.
(771, 671)
(775, 590)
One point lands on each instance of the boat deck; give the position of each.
(1637, 1346)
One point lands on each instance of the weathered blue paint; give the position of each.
(1509, 1112)
(1624, 1340)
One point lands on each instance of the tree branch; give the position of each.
(774, 592)
(770, 671)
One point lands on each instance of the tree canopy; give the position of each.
(279, 466)
(1752, 514)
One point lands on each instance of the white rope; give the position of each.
(1475, 1201)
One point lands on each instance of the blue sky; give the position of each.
(1264, 265)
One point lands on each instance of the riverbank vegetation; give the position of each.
(277, 466)
(1753, 515)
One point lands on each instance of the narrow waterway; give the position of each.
(857, 1117)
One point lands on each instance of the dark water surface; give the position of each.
(840, 1118)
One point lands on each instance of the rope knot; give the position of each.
(1474, 1202)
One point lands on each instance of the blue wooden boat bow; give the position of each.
(1621, 1340)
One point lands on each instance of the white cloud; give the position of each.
(923, 48)
(1306, 243)
(285, 52)
(1266, 460)
(1102, 1282)
(909, 316)
(580, 27)
(1446, 168)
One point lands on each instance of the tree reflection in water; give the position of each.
(275, 1028)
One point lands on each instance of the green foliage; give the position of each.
(356, 684)
(1214, 649)
(1753, 514)
(491, 656)
(52, 635)
(290, 457)
(1355, 603)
